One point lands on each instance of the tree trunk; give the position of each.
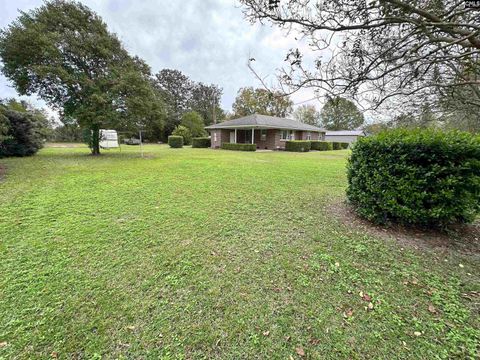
(95, 141)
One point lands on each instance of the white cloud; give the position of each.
(209, 40)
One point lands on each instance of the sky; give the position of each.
(208, 40)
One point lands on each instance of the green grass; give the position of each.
(195, 253)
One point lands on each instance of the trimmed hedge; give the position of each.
(201, 142)
(321, 145)
(239, 147)
(175, 141)
(417, 177)
(340, 145)
(298, 145)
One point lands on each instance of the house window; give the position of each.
(263, 134)
(287, 135)
(309, 135)
(214, 136)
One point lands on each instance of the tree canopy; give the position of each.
(181, 95)
(260, 101)
(380, 52)
(64, 53)
(341, 114)
(307, 114)
(193, 121)
(23, 128)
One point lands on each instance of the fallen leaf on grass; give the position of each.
(417, 333)
(432, 309)
(370, 306)
(131, 327)
(54, 355)
(3, 344)
(367, 297)
(266, 333)
(300, 351)
(348, 313)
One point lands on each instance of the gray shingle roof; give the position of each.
(346, 133)
(264, 121)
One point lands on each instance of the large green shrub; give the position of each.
(239, 147)
(321, 145)
(298, 145)
(421, 177)
(22, 133)
(201, 142)
(175, 141)
(183, 132)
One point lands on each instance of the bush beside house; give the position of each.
(239, 147)
(340, 145)
(185, 133)
(298, 145)
(201, 142)
(420, 177)
(175, 141)
(321, 145)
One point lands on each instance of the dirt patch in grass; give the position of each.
(463, 238)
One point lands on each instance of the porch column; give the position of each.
(235, 135)
(253, 137)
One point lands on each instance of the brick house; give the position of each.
(267, 132)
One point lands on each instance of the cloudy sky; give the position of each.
(208, 40)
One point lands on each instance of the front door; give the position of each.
(232, 136)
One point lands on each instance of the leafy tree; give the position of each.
(205, 98)
(63, 52)
(403, 49)
(307, 114)
(184, 132)
(176, 91)
(193, 121)
(260, 101)
(341, 114)
(23, 130)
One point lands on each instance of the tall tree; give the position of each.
(251, 101)
(341, 114)
(63, 52)
(194, 122)
(205, 100)
(176, 90)
(411, 50)
(307, 114)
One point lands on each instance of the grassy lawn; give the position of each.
(195, 253)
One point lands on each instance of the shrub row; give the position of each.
(201, 142)
(239, 147)
(307, 145)
(175, 141)
(321, 145)
(418, 177)
(339, 145)
(298, 145)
